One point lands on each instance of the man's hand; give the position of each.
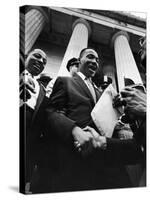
(97, 141)
(123, 131)
(94, 134)
(118, 101)
(83, 140)
(81, 136)
(135, 99)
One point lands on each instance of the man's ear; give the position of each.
(79, 60)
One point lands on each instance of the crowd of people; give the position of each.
(65, 151)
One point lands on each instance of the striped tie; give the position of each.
(91, 88)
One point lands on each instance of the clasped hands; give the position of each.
(87, 139)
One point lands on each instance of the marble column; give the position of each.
(125, 64)
(31, 25)
(78, 41)
(126, 68)
(22, 37)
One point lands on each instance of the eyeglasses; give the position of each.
(39, 56)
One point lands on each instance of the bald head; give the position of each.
(36, 61)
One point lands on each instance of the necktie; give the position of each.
(91, 88)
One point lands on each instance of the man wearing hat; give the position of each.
(72, 66)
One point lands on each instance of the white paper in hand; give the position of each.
(104, 115)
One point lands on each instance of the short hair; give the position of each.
(83, 50)
(34, 50)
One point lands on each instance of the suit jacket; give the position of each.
(34, 118)
(36, 127)
(72, 96)
(40, 105)
(30, 142)
(69, 170)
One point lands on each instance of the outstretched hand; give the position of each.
(135, 99)
(83, 141)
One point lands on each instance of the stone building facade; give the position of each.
(63, 32)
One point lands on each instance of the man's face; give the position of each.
(89, 63)
(36, 62)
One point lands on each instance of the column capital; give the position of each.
(82, 21)
(119, 33)
(41, 10)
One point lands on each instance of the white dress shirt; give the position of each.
(32, 101)
(89, 84)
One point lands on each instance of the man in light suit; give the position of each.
(78, 160)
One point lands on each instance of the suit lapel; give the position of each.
(97, 92)
(84, 87)
(39, 101)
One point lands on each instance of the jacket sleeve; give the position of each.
(123, 151)
(57, 122)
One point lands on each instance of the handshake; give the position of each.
(87, 139)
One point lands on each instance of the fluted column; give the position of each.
(22, 35)
(125, 63)
(78, 41)
(31, 25)
(126, 68)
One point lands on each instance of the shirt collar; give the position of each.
(83, 76)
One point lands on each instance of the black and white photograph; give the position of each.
(82, 99)
(74, 100)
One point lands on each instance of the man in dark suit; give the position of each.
(78, 160)
(134, 98)
(72, 66)
(32, 101)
